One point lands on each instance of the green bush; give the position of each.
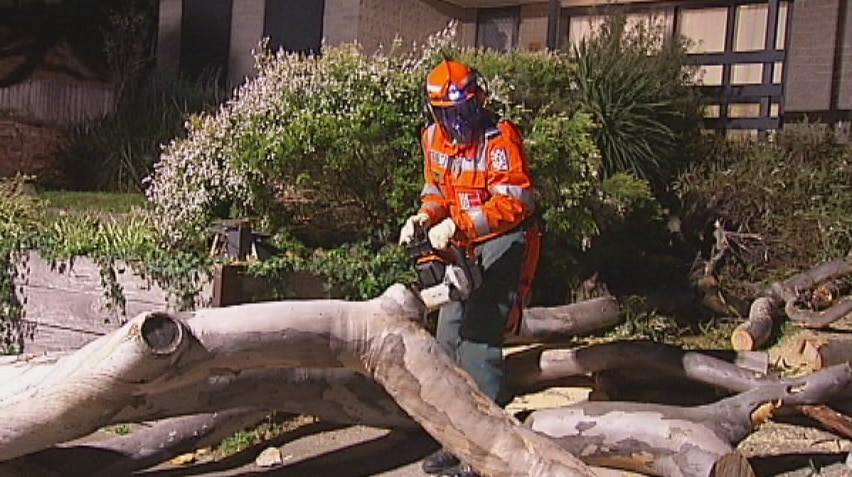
(116, 152)
(794, 193)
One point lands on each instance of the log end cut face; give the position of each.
(161, 333)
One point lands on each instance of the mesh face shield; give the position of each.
(459, 121)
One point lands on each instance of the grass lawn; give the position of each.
(93, 201)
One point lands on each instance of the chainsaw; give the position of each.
(443, 275)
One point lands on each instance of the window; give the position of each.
(294, 25)
(781, 30)
(705, 28)
(581, 27)
(747, 73)
(750, 27)
(497, 28)
(742, 72)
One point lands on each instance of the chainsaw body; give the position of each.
(443, 275)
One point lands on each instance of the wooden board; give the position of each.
(68, 307)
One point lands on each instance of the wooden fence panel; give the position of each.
(57, 101)
(68, 309)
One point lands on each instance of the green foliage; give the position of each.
(19, 220)
(633, 82)
(524, 85)
(794, 193)
(353, 271)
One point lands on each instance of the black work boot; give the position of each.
(461, 470)
(439, 462)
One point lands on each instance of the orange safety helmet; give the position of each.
(455, 100)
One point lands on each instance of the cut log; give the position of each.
(756, 330)
(818, 353)
(541, 324)
(837, 422)
(732, 464)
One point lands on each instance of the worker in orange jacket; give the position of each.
(477, 194)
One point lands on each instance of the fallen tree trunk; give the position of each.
(156, 352)
(147, 447)
(676, 441)
(541, 367)
(348, 397)
(331, 390)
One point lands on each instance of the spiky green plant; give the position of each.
(635, 84)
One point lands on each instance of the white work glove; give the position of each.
(411, 224)
(440, 235)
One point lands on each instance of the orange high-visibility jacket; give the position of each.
(486, 188)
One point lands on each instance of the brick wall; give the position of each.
(27, 149)
(246, 31)
(413, 20)
(810, 59)
(168, 37)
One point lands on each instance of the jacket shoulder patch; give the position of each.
(499, 159)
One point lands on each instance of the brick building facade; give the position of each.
(765, 61)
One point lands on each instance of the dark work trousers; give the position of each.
(472, 331)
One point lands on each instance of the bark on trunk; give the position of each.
(676, 441)
(540, 367)
(541, 324)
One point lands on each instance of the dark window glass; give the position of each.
(205, 38)
(294, 25)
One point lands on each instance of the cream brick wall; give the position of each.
(810, 57)
(380, 21)
(246, 31)
(168, 37)
(532, 33)
(340, 21)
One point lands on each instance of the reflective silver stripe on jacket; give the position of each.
(524, 194)
(476, 214)
(433, 207)
(430, 189)
(480, 221)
